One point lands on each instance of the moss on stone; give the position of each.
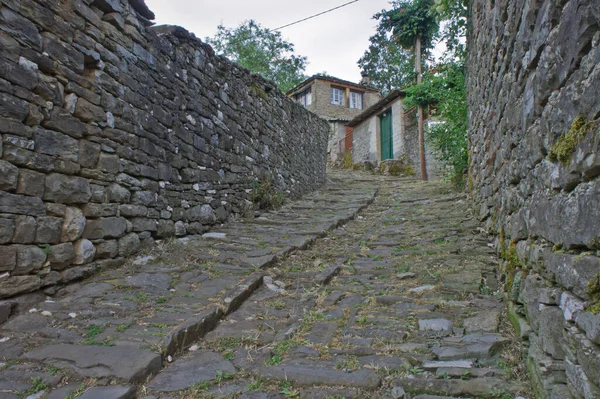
(471, 184)
(258, 90)
(566, 145)
(511, 260)
(594, 308)
(401, 170)
(593, 292)
(348, 161)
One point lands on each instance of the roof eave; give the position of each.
(375, 108)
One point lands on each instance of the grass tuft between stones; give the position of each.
(37, 385)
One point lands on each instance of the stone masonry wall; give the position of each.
(113, 134)
(534, 76)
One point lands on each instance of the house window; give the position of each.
(336, 96)
(356, 100)
(304, 97)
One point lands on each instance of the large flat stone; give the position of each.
(487, 321)
(435, 325)
(590, 323)
(158, 280)
(307, 376)
(322, 332)
(122, 363)
(196, 368)
(112, 392)
(465, 364)
(479, 387)
(19, 380)
(475, 346)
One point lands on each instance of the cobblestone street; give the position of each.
(372, 287)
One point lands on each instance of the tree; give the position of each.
(262, 51)
(414, 25)
(388, 65)
(455, 15)
(443, 89)
(443, 93)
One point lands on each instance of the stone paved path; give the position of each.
(304, 302)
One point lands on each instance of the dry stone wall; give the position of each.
(534, 76)
(114, 134)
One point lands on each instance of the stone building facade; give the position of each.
(368, 140)
(534, 109)
(337, 101)
(114, 134)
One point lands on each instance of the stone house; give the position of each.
(387, 130)
(337, 101)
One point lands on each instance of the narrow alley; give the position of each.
(372, 287)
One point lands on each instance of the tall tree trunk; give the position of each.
(421, 129)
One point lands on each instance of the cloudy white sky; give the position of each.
(332, 42)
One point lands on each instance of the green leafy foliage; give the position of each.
(443, 91)
(388, 65)
(265, 196)
(262, 51)
(37, 384)
(410, 19)
(455, 14)
(389, 61)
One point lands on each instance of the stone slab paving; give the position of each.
(105, 336)
(397, 303)
(326, 298)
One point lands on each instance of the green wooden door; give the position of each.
(387, 144)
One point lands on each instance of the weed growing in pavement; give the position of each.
(255, 384)
(351, 363)
(93, 331)
(274, 360)
(309, 319)
(416, 370)
(265, 196)
(140, 297)
(52, 370)
(221, 376)
(37, 384)
(276, 304)
(499, 394)
(197, 389)
(123, 327)
(77, 392)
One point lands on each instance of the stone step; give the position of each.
(120, 363)
(309, 376)
(195, 368)
(478, 387)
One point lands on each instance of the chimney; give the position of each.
(366, 80)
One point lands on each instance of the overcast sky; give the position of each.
(332, 42)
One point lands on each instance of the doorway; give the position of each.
(387, 144)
